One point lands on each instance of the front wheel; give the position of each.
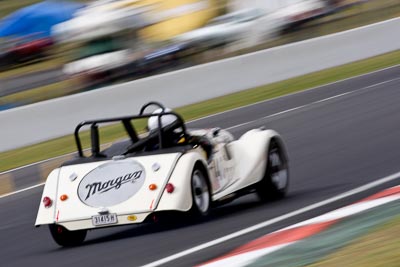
(275, 182)
(201, 195)
(65, 237)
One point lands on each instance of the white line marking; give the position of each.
(244, 258)
(234, 109)
(345, 211)
(273, 221)
(269, 116)
(21, 190)
(295, 93)
(312, 103)
(335, 96)
(242, 124)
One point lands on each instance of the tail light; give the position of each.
(47, 202)
(169, 188)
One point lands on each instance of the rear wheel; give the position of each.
(66, 238)
(275, 183)
(201, 195)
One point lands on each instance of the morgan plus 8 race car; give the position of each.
(167, 169)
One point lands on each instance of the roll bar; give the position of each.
(127, 124)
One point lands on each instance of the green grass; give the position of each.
(381, 247)
(63, 145)
(46, 92)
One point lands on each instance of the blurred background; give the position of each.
(51, 49)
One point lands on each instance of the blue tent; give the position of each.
(37, 19)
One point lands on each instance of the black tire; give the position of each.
(275, 182)
(66, 238)
(201, 194)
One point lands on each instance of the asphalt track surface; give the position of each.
(339, 137)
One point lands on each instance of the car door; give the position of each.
(222, 167)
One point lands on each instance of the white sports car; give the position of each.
(167, 169)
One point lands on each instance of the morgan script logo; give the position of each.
(111, 183)
(99, 187)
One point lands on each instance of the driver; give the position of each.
(152, 123)
(174, 137)
(171, 137)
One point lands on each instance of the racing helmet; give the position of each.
(152, 123)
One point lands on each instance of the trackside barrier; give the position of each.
(50, 119)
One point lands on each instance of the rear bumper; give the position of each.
(87, 222)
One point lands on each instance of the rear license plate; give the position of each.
(104, 219)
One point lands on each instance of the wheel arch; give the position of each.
(181, 198)
(250, 152)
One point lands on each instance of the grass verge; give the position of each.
(41, 93)
(379, 248)
(56, 147)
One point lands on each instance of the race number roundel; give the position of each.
(111, 183)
